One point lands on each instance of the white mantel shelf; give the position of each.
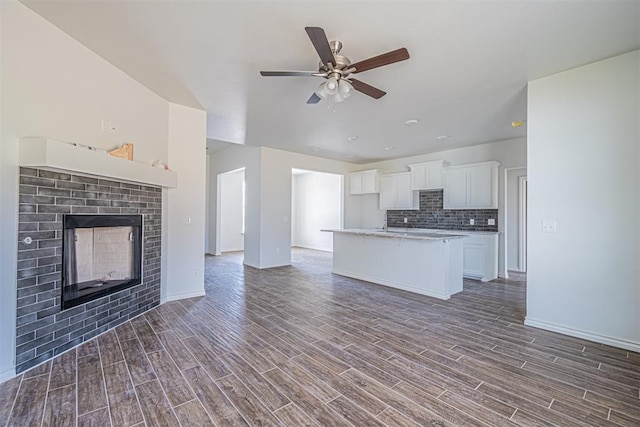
(46, 153)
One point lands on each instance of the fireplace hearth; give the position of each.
(101, 254)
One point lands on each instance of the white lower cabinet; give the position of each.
(480, 257)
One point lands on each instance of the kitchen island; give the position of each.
(427, 263)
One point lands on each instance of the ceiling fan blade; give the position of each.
(288, 73)
(380, 60)
(320, 42)
(367, 89)
(314, 99)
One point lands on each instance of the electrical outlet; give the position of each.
(472, 221)
(405, 220)
(549, 226)
(491, 221)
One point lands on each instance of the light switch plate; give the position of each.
(549, 226)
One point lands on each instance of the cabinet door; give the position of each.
(387, 192)
(473, 260)
(426, 176)
(404, 195)
(480, 183)
(355, 183)
(455, 189)
(419, 178)
(433, 175)
(368, 183)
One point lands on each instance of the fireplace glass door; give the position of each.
(101, 254)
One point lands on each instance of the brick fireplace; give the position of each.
(43, 328)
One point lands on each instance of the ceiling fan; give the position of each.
(337, 69)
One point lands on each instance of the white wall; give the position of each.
(226, 160)
(513, 218)
(584, 137)
(316, 205)
(510, 153)
(232, 236)
(52, 86)
(185, 223)
(268, 198)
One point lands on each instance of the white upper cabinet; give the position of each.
(427, 175)
(396, 193)
(365, 182)
(472, 186)
(455, 188)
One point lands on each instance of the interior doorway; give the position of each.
(230, 218)
(516, 220)
(316, 204)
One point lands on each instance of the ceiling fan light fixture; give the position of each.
(331, 86)
(321, 91)
(345, 88)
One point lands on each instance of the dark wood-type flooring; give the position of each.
(299, 346)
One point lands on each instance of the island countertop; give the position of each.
(402, 233)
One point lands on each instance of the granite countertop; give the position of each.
(401, 233)
(437, 230)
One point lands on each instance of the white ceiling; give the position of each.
(466, 78)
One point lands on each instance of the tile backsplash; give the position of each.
(432, 215)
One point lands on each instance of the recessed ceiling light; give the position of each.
(352, 138)
(389, 148)
(315, 149)
(350, 156)
(411, 122)
(442, 137)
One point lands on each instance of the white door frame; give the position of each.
(219, 209)
(504, 217)
(522, 223)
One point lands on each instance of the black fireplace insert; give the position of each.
(101, 254)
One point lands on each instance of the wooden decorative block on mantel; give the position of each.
(124, 152)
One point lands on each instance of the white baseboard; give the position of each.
(176, 297)
(7, 373)
(602, 339)
(312, 248)
(239, 249)
(391, 284)
(262, 267)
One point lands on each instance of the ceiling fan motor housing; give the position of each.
(342, 62)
